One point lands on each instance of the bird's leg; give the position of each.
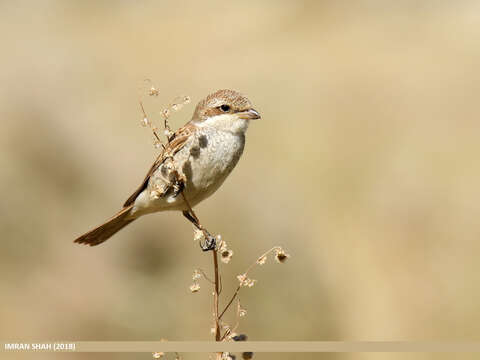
(210, 242)
(190, 218)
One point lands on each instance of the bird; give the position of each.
(192, 165)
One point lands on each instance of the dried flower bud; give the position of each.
(222, 243)
(247, 355)
(241, 337)
(241, 278)
(281, 256)
(158, 355)
(157, 144)
(179, 102)
(241, 312)
(244, 281)
(197, 234)
(144, 122)
(153, 92)
(226, 256)
(227, 356)
(195, 287)
(196, 275)
(231, 335)
(166, 113)
(261, 260)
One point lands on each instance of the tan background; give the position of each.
(364, 166)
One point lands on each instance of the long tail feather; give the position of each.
(106, 230)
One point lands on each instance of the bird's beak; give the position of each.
(250, 114)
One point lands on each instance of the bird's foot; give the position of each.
(210, 242)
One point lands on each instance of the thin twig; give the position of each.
(205, 276)
(215, 297)
(237, 324)
(216, 292)
(237, 290)
(230, 302)
(146, 117)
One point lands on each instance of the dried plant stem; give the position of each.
(230, 302)
(216, 294)
(154, 130)
(237, 290)
(206, 277)
(216, 281)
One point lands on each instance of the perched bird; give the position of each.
(195, 162)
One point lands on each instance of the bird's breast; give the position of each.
(208, 160)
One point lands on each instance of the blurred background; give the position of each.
(364, 167)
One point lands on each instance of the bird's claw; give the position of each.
(209, 244)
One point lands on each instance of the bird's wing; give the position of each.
(175, 144)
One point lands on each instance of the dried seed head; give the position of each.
(245, 281)
(241, 337)
(247, 355)
(166, 113)
(197, 234)
(226, 256)
(158, 355)
(153, 92)
(223, 244)
(281, 256)
(156, 143)
(242, 312)
(144, 122)
(227, 356)
(196, 275)
(261, 260)
(195, 287)
(179, 102)
(241, 278)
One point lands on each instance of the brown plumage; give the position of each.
(107, 229)
(117, 222)
(175, 144)
(205, 150)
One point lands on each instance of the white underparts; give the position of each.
(226, 122)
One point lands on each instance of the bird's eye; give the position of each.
(225, 108)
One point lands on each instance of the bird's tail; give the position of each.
(106, 230)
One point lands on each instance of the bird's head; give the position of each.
(225, 110)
